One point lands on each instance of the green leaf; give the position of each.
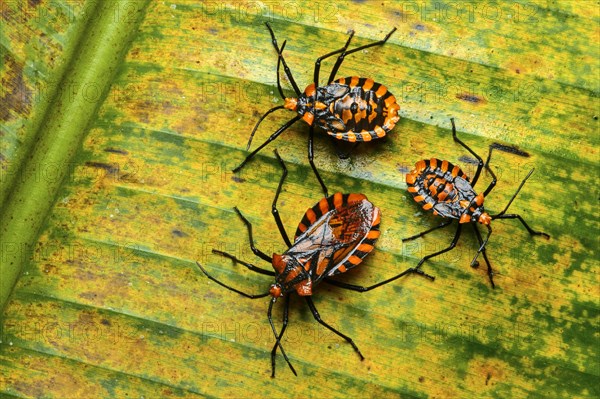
(122, 121)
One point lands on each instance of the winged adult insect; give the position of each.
(333, 237)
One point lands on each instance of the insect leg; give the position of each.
(310, 160)
(501, 147)
(480, 163)
(256, 251)
(360, 288)
(287, 70)
(340, 59)
(274, 210)
(505, 148)
(321, 58)
(529, 229)
(474, 262)
(444, 224)
(450, 247)
(278, 336)
(248, 265)
(416, 270)
(481, 245)
(263, 145)
(251, 296)
(317, 317)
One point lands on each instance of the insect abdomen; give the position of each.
(433, 185)
(368, 111)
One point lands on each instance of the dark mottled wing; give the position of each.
(336, 234)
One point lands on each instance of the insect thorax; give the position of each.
(291, 275)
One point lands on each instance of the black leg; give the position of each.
(317, 317)
(274, 210)
(444, 224)
(287, 70)
(310, 160)
(263, 145)
(450, 247)
(272, 109)
(529, 229)
(498, 216)
(321, 58)
(480, 163)
(279, 58)
(482, 248)
(248, 265)
(256, 251)
(474, 262)
(340, 59)
(259, 122)
(505, 148)
(360, 288)
(251, 296)
(278, 336)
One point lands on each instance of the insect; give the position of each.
(333, 237)
(351, 109)
(446, 190)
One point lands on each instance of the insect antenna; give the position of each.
(251, 296)
(272, 109)
(259, 121)
(514, 196)
(499, 216)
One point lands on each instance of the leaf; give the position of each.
(110, 302)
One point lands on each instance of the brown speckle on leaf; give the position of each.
(15, 95)
(472, 98)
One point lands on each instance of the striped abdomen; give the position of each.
(441, 187)
(350, 109)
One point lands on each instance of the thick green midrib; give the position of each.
(32, 126)
(98, 56)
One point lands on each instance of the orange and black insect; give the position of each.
(334, 236)
(446, 190)
(350, 109)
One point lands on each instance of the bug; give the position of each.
(333, 237)
(444, 189)
(351, 109)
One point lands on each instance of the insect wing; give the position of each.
(339, 239)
